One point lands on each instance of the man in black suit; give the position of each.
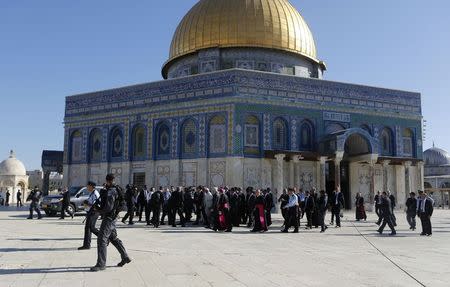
(386, 213)
(129, 198)
(425, 211)
(309, 209)
(268, 205)
(337, 204)
(176, 203)
(411, 209)
(377, 201)
(393, 204)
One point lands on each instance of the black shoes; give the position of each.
(84, 248)
(392, 233)
(123, 262)
(380, 231)
(97, 268)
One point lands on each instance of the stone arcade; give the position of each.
(243, 103)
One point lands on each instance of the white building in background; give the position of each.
(35, 178)
(55, 182)
(437, 175)
(13, 177)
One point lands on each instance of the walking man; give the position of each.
(292, 212)
(7, 198)
(411, 211)
(338, 203)
(425, 211)
(34, 197)
(19, 198)
(91, 216)
(65, 204)
(109, 207)
(386, 213)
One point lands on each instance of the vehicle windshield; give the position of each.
(74, 190)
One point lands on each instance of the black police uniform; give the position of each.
(108, 208)
(35, 197)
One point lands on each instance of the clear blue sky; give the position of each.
(52, 49)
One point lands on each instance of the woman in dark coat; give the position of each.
(360, 209)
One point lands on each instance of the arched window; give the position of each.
(138, 141)
(306, 136)
(76, 145)
(408, 142)
(251, 135)
(217, 135)
(386, 140)
(280, 135)
(95, 146)
(116, 143)
(162, 139)
(188, 137)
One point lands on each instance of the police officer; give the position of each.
(34, 197)
(65, 204)
(109, 208)
(129, 196)
(91, 216)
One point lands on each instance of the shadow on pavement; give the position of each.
(45, 239)
(53, 270)
(6, 250)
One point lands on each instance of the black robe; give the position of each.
(259, 214)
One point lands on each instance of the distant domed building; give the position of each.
(243, 103)
(13, 177)
(437, 174)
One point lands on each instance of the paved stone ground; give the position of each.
(43, 253)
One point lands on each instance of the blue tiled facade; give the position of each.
(220, 103)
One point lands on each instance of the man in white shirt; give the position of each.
(292, 207)
(91, 217)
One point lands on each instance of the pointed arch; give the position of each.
(387, 142)
(162, 139)
(138, 142)
(189, 138)
(280, 134)
(306, 133)
(116, 143)
(76, 146)
(217, 135)
(95, 145)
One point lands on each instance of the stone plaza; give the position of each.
(44, 253)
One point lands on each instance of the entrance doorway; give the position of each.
(139, 179)
(330, 183)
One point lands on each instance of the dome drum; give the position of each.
(260, 59)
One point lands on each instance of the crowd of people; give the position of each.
(219, 209)
(223, 208)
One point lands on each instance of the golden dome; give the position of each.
(273, 24)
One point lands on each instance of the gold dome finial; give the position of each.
(273, 24)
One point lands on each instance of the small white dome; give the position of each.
(12, 166)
